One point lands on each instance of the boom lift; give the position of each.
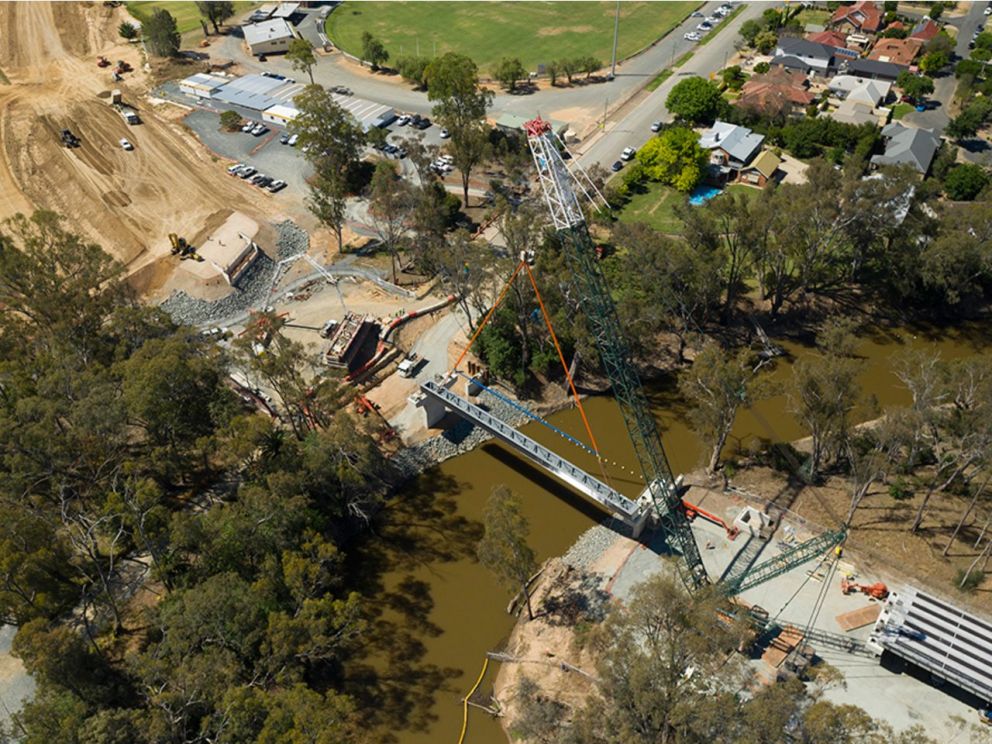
(558, 185)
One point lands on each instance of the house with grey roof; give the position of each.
(732, 148)
(269, 36)
(908, 146)
(805, 55)
(862, 90)
(873, 69)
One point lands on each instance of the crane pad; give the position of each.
(859, 618)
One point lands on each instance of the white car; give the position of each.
(712, 20)
(248, 126)
(988, 11)
(628, 153)
(691, 36)
(704, 26)
(444, 134)
(126, 144)
(233, 169)
(656, 126)
(293, 139)
(403, 121)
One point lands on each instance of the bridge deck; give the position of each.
(561, 468)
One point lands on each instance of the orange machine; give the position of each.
(877, 590)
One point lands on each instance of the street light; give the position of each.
(616, 34)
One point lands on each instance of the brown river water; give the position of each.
(445, 610)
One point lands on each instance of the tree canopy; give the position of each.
(161, 34)
(674, 157)
(695, 100)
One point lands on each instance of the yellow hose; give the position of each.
(485, 665)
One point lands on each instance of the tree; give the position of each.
(765, 41)
(695, 100)
(969, 67)
(161, 34)
(327, 200)
(127, 31)
(300, 55)
(716, 386)
(750, 30)
(230, 120)
(934, 62)
(373, 50)
(413, 69)
(503, 548)
(965, 182)
(508, 71)
(390, 203)
(674, 157)
(460, 107)
(957, 264)
(216, 12)
(733, 77)
(590, 64)
(916, 87)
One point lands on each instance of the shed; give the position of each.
(202, 85)
(280, 114)
(268, 37)
(257, 92)
(286, 10)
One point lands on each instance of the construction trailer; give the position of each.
(347, 340)
(951, 644)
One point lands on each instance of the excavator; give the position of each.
(877, 590)
(183, 249)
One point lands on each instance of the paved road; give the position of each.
(335, 70)
(937, 118)
(635, 128)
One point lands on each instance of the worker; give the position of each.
(839, 551)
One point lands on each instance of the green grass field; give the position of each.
(900, 110)
(535, 32)
(186, 14)
(654, 204)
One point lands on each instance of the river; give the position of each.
(441, 610)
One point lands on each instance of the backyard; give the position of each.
(186, 13)
(535, 32)
(654, 204)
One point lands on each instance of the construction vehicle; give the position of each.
(558, 181)
(103, 62)
(69, 139)
(985, 716)
(183, 249)
(123, 67)
(878, 590)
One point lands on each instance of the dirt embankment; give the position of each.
(128, 202)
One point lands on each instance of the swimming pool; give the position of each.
(702, 194)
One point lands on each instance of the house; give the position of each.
(925, 30)
(732, 148)
(908, 146)
(803, 55)
(897, 51)
(873, 69)
(776, 92)
(762, 169)
(835, 40)
(861, 90)
(281, 114)
(202, 85)
(863, 17)
(268, 37)
(857, 113)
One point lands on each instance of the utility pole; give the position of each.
(616, 34)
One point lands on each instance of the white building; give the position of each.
(280, 114)
(268, 37)
(202, 85)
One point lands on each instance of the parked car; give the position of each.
(704, 27)
(248, 126)
(403, 121)
(656, 126)
(444, 134)
(617, 165)
(259, 130)
(256, 179)
(264, 182)
(284, 140)
(293, 139)
(247, 172)
(277, 186)
(628, 153)
(126, 144)
(233, 169)
(712, 20)
(691, 36)
(400, 152)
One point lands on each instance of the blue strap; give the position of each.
(530, 414)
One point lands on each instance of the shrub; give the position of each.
(761, 68)
(899, 491)
(230, 120)
(964, 182)
(968, 581)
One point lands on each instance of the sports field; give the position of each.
(186, 14)
(535, 32)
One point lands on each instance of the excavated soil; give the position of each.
(128, 202)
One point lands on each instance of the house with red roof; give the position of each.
(777, 92)
(925, 29)
(863, 17)
(836, 40)
(897, 51)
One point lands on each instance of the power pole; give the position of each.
(616, 33)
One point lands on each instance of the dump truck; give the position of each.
(69, 139)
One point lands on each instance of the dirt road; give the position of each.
(128, 202)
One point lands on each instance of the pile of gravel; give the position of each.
(591, 544)
(252, 287)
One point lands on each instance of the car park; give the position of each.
(617, 165)
(656, 126)
(444, 134)
(293, 139)
(628, 153)
(277, 186)
(126, 144)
